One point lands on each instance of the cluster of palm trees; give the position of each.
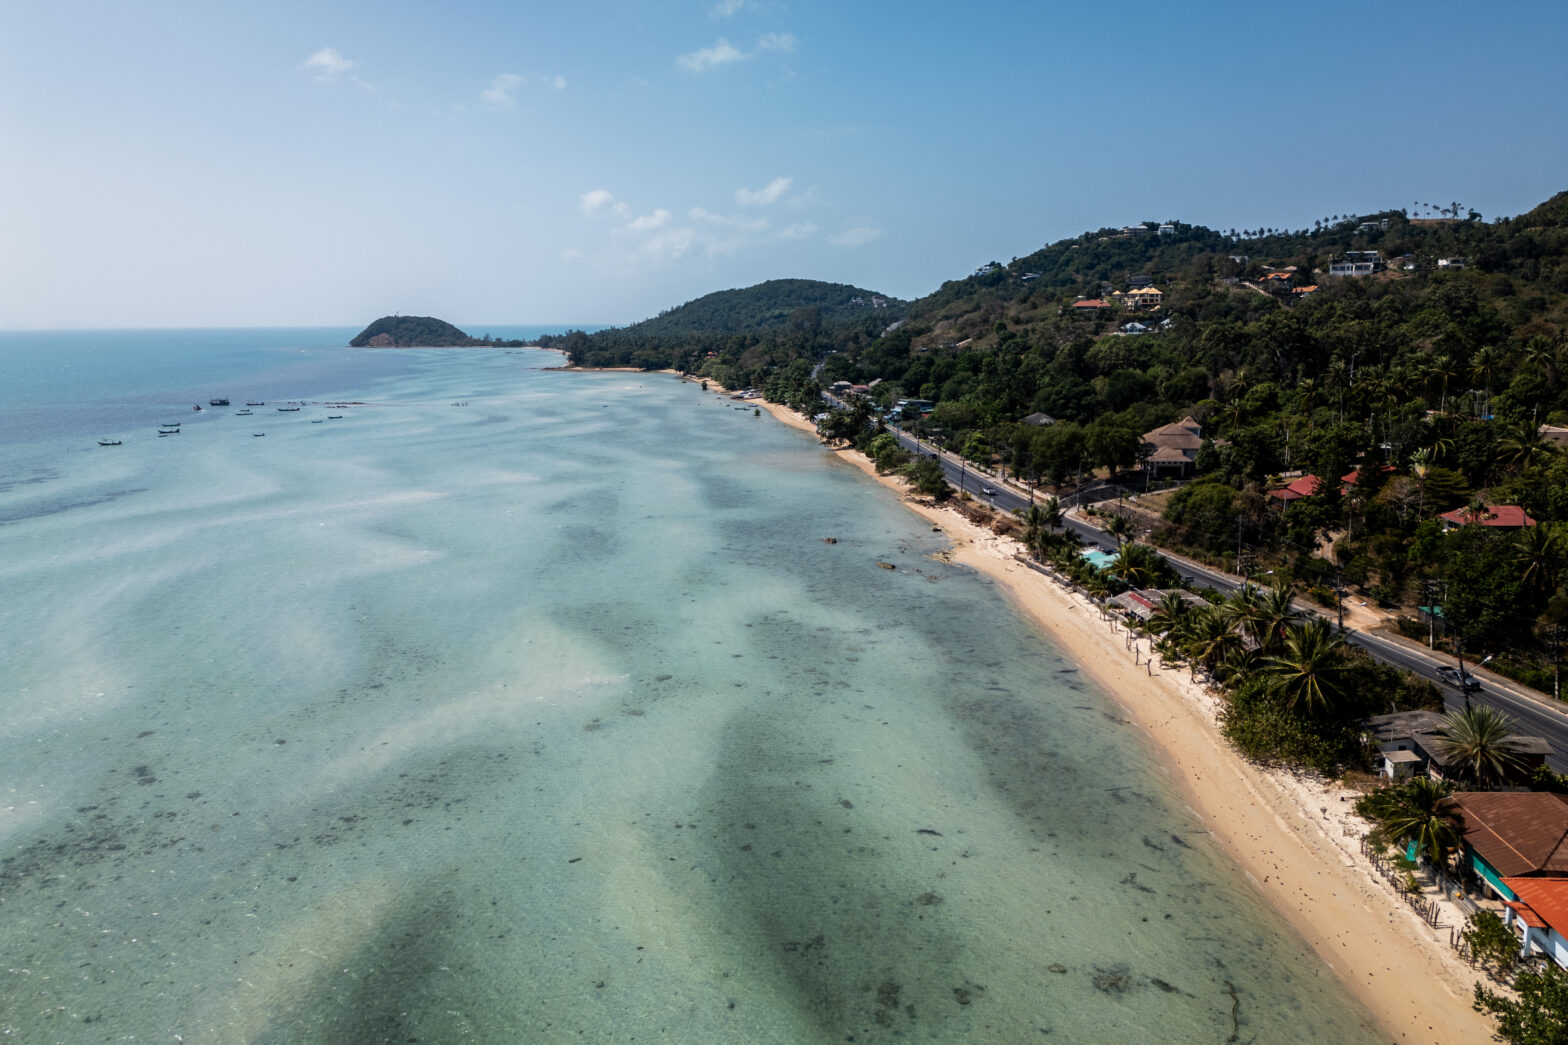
(1258, 633)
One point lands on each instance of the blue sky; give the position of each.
(210, 164)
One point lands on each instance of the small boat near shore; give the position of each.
(288, 409)
(334, 417)
(258, 435)
(242, 413)
(108, 442)
(249, 403)
(217, 402)
(169, 430)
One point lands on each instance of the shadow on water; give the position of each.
(389, 988)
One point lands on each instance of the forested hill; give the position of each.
(776, 320)
(412, 332)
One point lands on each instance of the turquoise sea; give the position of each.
(516, 705)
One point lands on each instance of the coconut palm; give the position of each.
(1479, 745)
(1208, 638)
(1051, 513)
(1483, 367)
(1442, 369)
(1169, 615)
(1540, 553)
(1120, 527)
(1421, 467)
(1419, 817)
(1309, 668)
(1241, 609)
(1273, 616)
(1034, 531)
(1524, 446)
(1241, 664)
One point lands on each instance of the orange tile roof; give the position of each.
(1544, 898)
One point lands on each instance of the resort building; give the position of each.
(1408, 745)
(1358, 263)
(1172, 449)
(1143, 298)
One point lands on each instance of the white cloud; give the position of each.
(500, 91)
(740, 223)
(764, 196)
(799, 230)
(726, 8)
(784, 42)
(856, 236)
(601, 201)
(327, 64)
(721, 53)
(648, 222)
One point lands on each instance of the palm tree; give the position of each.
(1169, 615)
(1273, 616)
(1309, 669)
(1051, 512)
(1541, 355)
(1241, 664)
(1034, 531)
(1523, 446)
(1540, 553)
(1442, 370)
(1478, 744)
(1208, 638)
(1120, 527)
(1483, 367)
(1134, 563)
(1421, 467)
(1420, 818)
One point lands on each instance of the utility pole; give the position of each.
(1339, 596)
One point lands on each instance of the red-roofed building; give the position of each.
(1498, 516)
(1296, 489)
(1511, 834)
(1541, 916)
(1090, 305)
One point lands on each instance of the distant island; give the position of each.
(421, 332)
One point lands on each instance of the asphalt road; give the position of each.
(1535, 714)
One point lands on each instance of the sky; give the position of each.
(216, 163)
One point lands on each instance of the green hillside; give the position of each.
(768, 323)
(411, 332)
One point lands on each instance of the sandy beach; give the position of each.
(1295, 839)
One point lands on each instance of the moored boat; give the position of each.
(257, 403)
(242, 413)
(108, 442)
(288, 409)
(217, 402)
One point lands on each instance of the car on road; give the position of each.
(988, 491)
(1453, 677)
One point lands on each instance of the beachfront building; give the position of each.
(1511, 834)
(1516, 843)
(1539, 916)
(1408, 745)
